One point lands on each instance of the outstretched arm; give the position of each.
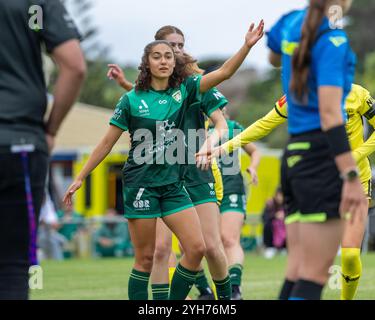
(100, 152)
(220, 131)
(253, 152)
(231, 65)
(255, 132)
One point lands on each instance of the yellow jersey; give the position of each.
(219, 188)
(358, 103)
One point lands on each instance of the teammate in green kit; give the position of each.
(153, 186)
(233, 206)
(199, 184)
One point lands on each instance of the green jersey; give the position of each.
(230, 166)
(152, 117)
(195, 119)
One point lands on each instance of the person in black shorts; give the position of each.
(319, 176)
(25, 140)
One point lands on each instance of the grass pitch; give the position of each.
(107, 279)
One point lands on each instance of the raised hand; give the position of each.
(254, 34)
(116, 73)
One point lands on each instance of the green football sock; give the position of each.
(201, 283)
(235, 273)
(160, 291)
(223, 288)
(137, 286)
(182, 281)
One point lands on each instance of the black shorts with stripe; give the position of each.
(310, 180)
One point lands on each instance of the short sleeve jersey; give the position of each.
(23, 99)
(154, 120)
(230, 165)
(332, 64)
(194, 122)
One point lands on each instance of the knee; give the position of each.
(229, 241)
(162, 252)
(145, 261)
(214, 250)
(197, 249)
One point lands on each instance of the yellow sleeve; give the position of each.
(260, 128)
(367, 110)
(219, 188)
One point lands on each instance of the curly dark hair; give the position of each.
(180, 72)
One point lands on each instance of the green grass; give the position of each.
(107, 279)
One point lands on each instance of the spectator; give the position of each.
(274, 232)
(50, 242)
(71, 224)
(112, 238)
(25, 140)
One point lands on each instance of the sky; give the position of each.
(212, 28)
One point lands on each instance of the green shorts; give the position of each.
(155, 202)
(202, 193)
(233, 203)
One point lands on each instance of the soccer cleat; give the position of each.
(206, 296)
(236, 293)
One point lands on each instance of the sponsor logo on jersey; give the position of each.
(177, 96)
(218, 95)
(163, 101)
(371, 102)
(166, 128)
(144, 109)
(117, 113)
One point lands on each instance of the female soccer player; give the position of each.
(233, 206)
(319, 176)
(152, 185)
(358, 104)
(198, 184)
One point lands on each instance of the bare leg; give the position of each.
(209, 217)
(163, 249)
(231, 225)
(186, 226)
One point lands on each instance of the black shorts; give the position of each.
(310, 180)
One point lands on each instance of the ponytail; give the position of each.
(302, 55)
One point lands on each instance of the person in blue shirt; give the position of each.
(319, 176)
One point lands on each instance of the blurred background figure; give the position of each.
(274, 231)
(71, 227)
(112, 238)
(50, 242)
(25, 139)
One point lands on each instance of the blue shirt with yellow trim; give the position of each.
(332, 64)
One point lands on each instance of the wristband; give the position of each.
(338, 140)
